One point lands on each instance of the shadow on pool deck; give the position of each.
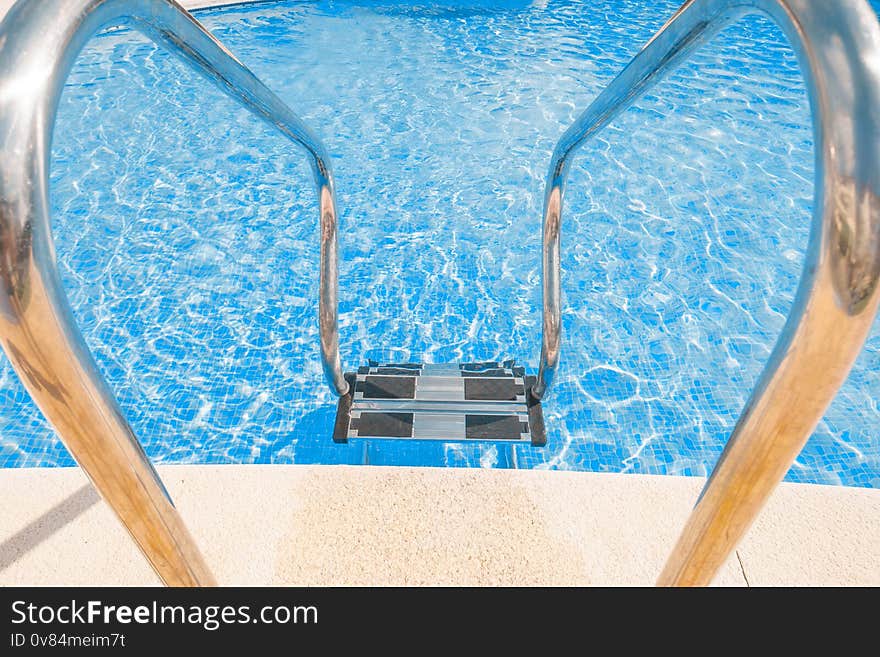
(38, 530)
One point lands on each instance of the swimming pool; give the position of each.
(187, 240)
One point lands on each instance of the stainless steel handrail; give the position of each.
(838, 47)
(39, 41)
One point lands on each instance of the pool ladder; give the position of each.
(838, 47)
(488, 402)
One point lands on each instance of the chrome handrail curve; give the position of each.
(39, 41)
(838, 48)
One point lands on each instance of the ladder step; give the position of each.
(450, 402)
(438, 388)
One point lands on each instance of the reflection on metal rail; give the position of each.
(39, 41)
(838, 47)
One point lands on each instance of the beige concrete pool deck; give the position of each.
(365, 525)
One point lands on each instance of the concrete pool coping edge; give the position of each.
(356, 525)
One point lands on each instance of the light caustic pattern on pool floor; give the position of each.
(187, 234)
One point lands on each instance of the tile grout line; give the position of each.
(742, 568)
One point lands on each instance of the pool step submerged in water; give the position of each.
(486, 402)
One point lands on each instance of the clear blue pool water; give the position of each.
(187, 238)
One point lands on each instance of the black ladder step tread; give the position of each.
(387, 387)
(492, 389)
(393, 425)
(494, 427)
